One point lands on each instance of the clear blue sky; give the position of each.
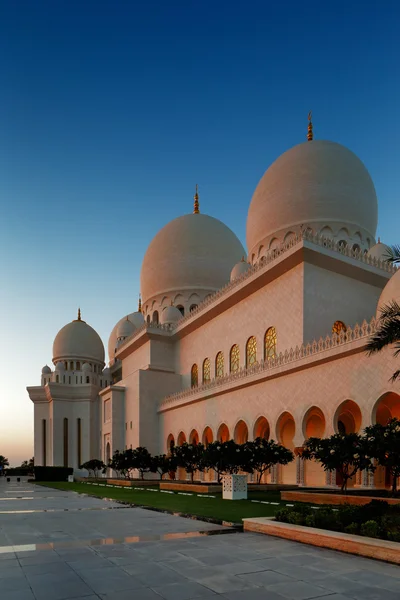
(111, 111)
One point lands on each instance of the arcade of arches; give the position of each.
(347, 419)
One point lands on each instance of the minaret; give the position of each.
(79, 314)
(310, 135)
(140, 303)
(196, 207)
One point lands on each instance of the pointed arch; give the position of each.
(194, 376)
(234, 359)
(241, 432)
(270, 341)
(251, 351)
(219, 365)
(223, 434)
(261, 428)
(206, 370)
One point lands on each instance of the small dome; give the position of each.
(137, 320)
(390, 292)
(106, 372)
(78, 340)
(60, 366)
(125, 329)
(240, 268)
(320, 184)
(379, 251)
(170, 315)
(86, 367)
(194, 252)
(46, 370)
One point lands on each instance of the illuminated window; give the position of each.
(270, 343)
(338, 326)
(155, 316)
(219, 365)
(206, 371)
(234, 359)
(194, 376)
(251, 351)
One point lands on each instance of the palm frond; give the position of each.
(395, 376)
(390, 311)
(393, 254)
(388, 333)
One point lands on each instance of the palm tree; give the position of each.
(3, 463)
(388, 331)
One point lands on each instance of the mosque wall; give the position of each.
(65, 431)
(162, 353)
(42, 414)
(279, 304)
(297, 405)
(330, 296)
(139, 359)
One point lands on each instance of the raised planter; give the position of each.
(327, 498)
(120, 482)
(353, 544)
(234, 487)
(198, 488)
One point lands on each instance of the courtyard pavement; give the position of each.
(57, 545)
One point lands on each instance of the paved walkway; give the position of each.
(57, 545)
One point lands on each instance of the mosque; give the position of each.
(234, 344)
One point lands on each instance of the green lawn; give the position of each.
(216, 508)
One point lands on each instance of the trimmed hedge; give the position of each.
(52, 473)
(377, 519)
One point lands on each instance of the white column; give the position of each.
(275, 475)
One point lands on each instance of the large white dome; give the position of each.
(78, 340)
(390, 292)
(317, 184)
(193, 252)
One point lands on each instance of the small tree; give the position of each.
(384, 443)
(347, 454)
(225, 457)
(163, 464)
(141, 460)
(94, 465)
(119, 463)
(190, 457)
(3, 462)
(28, 464)
(263, 454)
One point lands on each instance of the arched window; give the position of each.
(71, 366)
(155, 316)
(78, 365)
(219, 365)
(194, 376)
(356, 248)
(63, 378)
(338, 327)
(192, 307)
(66, 365)
(87, 379)
(148, 318)
(57, 379)
(206, 370)
(181, 310)
(234, 359)
(270, 343)
(342, 244)
(251, 351)
(65, 442)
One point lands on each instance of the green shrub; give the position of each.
(370, 529)
(390, 525)
(52, 473)
(327, 518)
(353, 528)
(296, 518)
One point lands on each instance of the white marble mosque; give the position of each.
(234, 344)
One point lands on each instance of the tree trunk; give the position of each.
(192, 476)
(394, 484)
(259, 477)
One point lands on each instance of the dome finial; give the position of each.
(310, 135)
(196, 208)
(79, 314)
(140, 303)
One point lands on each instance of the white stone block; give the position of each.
(234, 487)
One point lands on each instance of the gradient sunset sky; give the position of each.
(112, 111)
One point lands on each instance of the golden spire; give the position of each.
(140, 303)
(196, 208)
(79, 314)
(310, 135)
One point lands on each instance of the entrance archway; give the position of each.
(194, 437)
(286, 430)
(170, 443)
(207, 437)
(223, 433)
(347, 420)
(241, 434)
(386, 408)
(314, 426)
(348, 417)
(261, 428)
